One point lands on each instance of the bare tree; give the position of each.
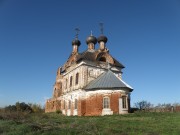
(143, 105)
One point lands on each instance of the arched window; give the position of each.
(75, 105)
(106, 102)
(124, 102)
(71, 79)
(69, 107)
(77, 78)
(103, 59)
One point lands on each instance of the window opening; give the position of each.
(124, 102)
(106, 102)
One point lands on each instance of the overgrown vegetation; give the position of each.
(23, 122)
(23, 107)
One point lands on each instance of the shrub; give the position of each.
(36, 108)
(58, 111)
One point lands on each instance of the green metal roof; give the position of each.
(107, 80)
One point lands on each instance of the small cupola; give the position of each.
(102, 39)
(91, 41)
(76, 43)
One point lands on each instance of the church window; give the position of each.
(103, 59)
(77, 78)
(75, 106)
(124, 102)
(69, 107)
(71, 79)
(106, 102)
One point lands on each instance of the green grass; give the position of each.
(56, 124)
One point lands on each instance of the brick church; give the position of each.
(90, 82)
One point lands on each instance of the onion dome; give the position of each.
(91, 39)
(76, 42)
(102, 38)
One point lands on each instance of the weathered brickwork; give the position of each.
(80, 70)
(114, 102)
(94, 105)
(91, 106)
(53, 105)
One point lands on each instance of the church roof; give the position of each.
(87, 55)
(107, 80)
(92, 56)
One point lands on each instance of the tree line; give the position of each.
(24, 107)
(147, 106)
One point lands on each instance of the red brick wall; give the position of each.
(177, 108)
(114, 102)
(52, 105)
(81, 107)
(94, 104)
(88, 107)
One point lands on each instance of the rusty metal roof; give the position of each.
(91, 56)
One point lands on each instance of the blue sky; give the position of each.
(36, 35)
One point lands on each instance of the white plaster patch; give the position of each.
(90, 93)
(107, 111)
(75, 112)
(63, 112)
(82, 94)
(68, 112)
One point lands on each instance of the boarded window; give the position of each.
(77, 78)
(106, 102)
(71, 79)
(66, 83)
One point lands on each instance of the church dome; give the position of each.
(102, 38)
(91, 39)
(76, 42)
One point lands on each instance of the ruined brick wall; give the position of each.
(177, 109)
(52, 105)
(57, 89)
